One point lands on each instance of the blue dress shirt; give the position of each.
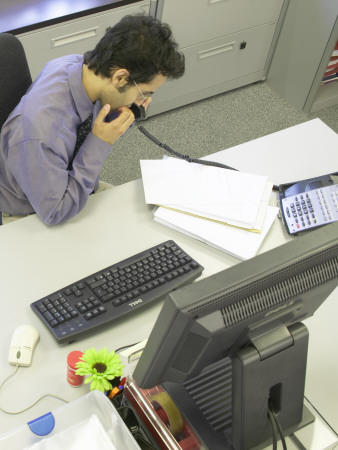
(38, 140)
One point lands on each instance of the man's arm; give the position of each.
(56, 193)
(41, 170)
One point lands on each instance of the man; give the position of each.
(40, 168)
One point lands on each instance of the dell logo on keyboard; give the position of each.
(136, 302)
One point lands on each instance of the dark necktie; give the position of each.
(82, 132)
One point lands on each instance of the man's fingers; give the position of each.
(103, 113)
(110, 131)
(126, 115)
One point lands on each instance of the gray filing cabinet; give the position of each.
(75, 36)
(226, 43)
(305, 45)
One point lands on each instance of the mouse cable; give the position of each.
(31, 406)
(187, 157)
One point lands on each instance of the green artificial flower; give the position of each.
(101, 367)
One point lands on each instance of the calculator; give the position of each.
(309, 204)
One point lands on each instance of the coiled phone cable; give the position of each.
(187, 157)
(180, 155)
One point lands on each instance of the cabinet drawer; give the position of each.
(195, 21)
(76, 36)
(219, 61)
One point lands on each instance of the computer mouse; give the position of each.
(23, 343)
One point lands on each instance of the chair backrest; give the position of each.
(15, 77)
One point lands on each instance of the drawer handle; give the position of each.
(211, 2)
(216, 50)
(70, 38)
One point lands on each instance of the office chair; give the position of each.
(15, 77)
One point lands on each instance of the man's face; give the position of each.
(126, 95)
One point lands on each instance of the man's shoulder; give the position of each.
(63, 63)
(49, 100)
(54, 81)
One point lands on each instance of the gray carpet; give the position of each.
(207, 126)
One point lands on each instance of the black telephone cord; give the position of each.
(187, 157)
(180, 155)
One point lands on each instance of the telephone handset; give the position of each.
(139, 112)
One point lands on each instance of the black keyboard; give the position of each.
(96, 301)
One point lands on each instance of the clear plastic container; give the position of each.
(88, 422)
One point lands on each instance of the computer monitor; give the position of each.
(227, 346)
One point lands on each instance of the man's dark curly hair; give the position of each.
(142, 45)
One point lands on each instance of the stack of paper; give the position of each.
(236, 241)
(189, 193)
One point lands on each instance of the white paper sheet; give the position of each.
(215, 193)
(240, 243)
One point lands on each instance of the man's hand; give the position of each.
(111, 131)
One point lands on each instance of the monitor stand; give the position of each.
(227, 404)
(272, 369)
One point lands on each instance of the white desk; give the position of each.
(303, 151)
(37, 260)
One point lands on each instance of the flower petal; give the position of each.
(99, 380)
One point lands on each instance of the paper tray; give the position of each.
(88, 422)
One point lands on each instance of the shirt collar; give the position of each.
(83, 103)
